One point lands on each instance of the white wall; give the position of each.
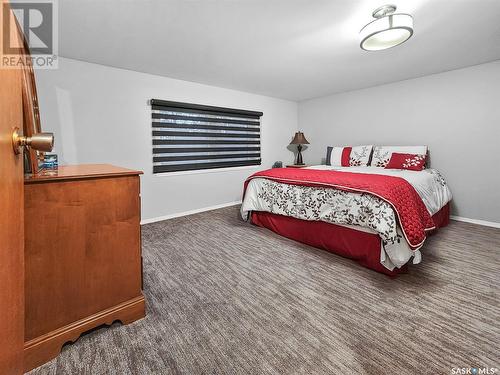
(457, 114)
(101, 114)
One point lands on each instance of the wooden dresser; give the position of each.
(83, 264)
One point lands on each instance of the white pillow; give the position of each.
(358, 155)
(382, 154)
(336, 156)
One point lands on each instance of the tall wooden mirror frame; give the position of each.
(31, 112)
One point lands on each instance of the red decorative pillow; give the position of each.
(346, 156)
(413, 162)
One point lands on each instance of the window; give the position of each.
(192, 136)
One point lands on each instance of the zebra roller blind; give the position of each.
(192, 136)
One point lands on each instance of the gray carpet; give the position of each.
(226, 297)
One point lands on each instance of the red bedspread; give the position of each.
(412, 214)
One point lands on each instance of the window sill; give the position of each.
(198, 171)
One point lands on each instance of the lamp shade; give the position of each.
(299, 139)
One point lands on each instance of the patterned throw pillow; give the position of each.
(413, 162)
(382, 154)
(360, 156)
(348, 156)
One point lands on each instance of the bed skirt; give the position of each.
(350, 243)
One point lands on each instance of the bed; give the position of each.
(376, 216)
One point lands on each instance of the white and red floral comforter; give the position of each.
(360, 211)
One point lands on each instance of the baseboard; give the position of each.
(475, 221)
(210, 208)
(190, 212)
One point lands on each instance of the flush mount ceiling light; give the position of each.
(388, 30)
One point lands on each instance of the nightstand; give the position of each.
(297, 166)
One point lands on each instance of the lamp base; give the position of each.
(299, 156)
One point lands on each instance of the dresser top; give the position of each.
(78, 172)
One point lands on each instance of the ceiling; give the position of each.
(292, 49)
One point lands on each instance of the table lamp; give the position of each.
(299, 140)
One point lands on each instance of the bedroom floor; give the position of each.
(226, 297)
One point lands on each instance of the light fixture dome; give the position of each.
(388, 30)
